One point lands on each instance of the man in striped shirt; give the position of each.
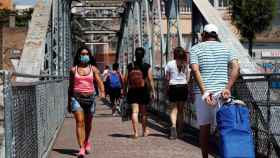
(209, 61)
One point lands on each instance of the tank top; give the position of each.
(83, 83)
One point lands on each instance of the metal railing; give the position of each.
(34, 112)
(263, 100)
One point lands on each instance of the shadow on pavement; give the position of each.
(190, 135)
(103, 115)
(117, 135)
(72, 152)
(158, 135)
(151, 124)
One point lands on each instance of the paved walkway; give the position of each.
(111, 139)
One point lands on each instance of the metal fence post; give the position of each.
(268, 78)
(8, 111)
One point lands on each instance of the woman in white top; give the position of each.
(177, 76)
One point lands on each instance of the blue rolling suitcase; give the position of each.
(236, 140)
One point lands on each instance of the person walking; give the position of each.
(177, 75)
(105, 74)
(209, 62)
(139, 81)
(81, 95)
(115, 84)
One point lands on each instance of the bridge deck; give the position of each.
(111, 140)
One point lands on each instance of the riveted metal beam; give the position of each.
(32, 59)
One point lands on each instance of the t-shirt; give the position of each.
(213, 58)
(105, 74)
(176, 77)
(144, 67)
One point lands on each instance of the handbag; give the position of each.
(126, 110)
(85, 101)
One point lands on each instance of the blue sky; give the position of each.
(25, 2)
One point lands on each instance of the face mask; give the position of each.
(84, 59)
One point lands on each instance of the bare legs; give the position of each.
(173, 114)
(88, 126)
(135, 113)
(80, 127)
(180, 118)
(83, 130)
(176, 116)
(203, 139)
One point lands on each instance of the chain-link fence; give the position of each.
(34, 112)
(263, 100)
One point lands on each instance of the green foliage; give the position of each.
(22, 17)
(252, 16)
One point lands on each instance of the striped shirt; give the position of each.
(213, 58)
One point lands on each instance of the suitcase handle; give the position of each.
(220, 101)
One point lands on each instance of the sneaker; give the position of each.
(87, 147)
(82, 153)
(118, 109)
(173, 133)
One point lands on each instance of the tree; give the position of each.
(252, 16)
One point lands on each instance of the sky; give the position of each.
(24, 2)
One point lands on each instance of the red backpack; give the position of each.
(136, 78)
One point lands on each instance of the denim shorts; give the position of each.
(76, 106)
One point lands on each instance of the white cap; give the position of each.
(209, 28)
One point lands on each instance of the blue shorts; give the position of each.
(76, 106)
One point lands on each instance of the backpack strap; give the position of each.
(120, 78)
(93, 74)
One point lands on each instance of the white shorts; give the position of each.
(205, 114)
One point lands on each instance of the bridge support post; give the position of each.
(158, 46)
(146, 34)
(174, 36)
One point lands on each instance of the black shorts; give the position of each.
(106, 87)
(138, 95)
(178, 92)
(115, 93)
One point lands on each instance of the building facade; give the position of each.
(6, 4)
